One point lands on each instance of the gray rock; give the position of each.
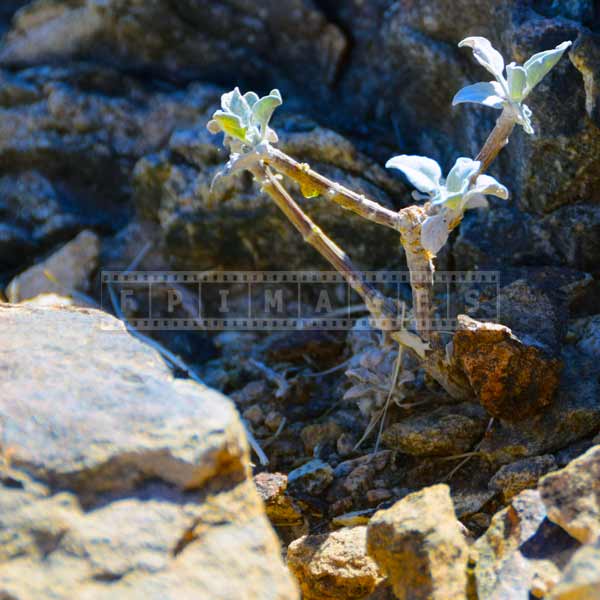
(581, 578)
(522, 551)
(311, 478)
(124, 458)
(238, 227)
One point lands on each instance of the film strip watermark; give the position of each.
(284, 300)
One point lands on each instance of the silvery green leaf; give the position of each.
(231, 125)
(485, 54)
(476, 200)
(524, 118)
(539, 64)
(263, 110)
(271, 136)
(233, 102)
(251, 98)
(358, 391)
(424, 173)
(213, 126)
(488, 93)
(451, 200)
(434, 233)
(485, 184)
(463, 169)
(517, 81)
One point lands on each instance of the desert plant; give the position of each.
(423, 229)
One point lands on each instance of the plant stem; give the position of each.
(316, 183)
(378, 305)
(497, 139)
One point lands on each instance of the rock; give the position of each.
(319, 434)
(588, 336)
(419, 546)
(442, 432)
(536, 312)
(573, 416)
(511, 379)
(334, 566)
(67, 270)
(581, 578)
(512, 479)
(67, 156)
(522, 551)
(232, 224)
(572, 496)
(133, 496)
(280, 508)
(311, 478)
(178, 43)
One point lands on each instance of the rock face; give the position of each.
(123, 482)
(572, 496)
(522, 474)
(334, 566)
(511, 379)
(419, 546)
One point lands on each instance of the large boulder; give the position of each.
(121, 481)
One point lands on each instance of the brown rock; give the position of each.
(280, 508)
(511, 379)
(418, 544)
(334, 566)
(514, 478)
(443, 432)
(572, 496)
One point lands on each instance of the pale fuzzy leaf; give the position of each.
(488, 93)
(485, 184)
(263, 110)
(412, 341)
(517, 81)
(476, 200)
(234, 102)
(213, 126)
(434, 233)
(424, 173)
(485, 54)
(230, 124)
(463, 169)
(539, 64)
(251, 98)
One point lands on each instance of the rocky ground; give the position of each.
(122, 478)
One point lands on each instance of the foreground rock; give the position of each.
(581, 579)
(511, 379)
(572, 496)
(522, 552)
(419, 546)
(334, 566)
(124, 481)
